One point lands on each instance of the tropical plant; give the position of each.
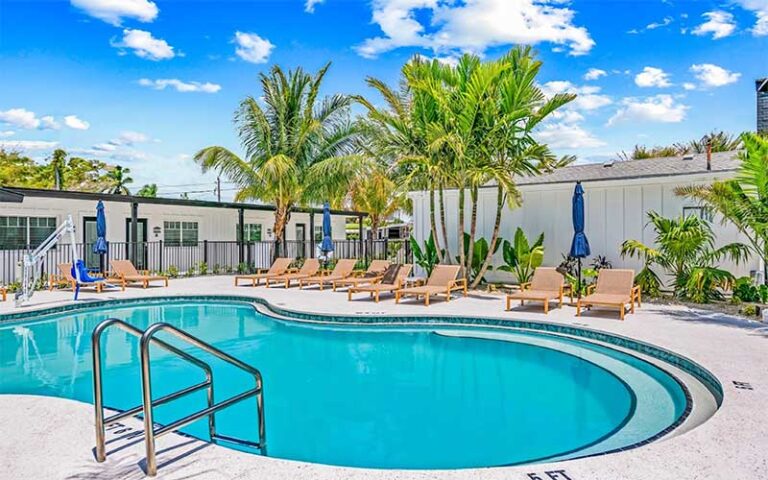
(743, 200)
(480, 249)
(149, 190)
(745, 290)
(685, 249)
(118, 180)
(287, 135)
(61, 172)
(522, 257)
(600, 262)
(717, 141)
(426, 257)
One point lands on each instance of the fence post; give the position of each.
(249, 255)
(205, 251)
(240, 235)
(160, 255)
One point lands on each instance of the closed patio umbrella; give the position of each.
(326, 246)
(100, 247)
(580, 244)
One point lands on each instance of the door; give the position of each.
(301, 240)
(92, 260)
(140, 262)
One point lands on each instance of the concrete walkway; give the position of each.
(50, 438)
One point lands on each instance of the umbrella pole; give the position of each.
(579, 282)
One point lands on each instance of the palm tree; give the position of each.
(286, 137)
(118, 180)
(743, 200)
(685, 248)
(149, 190)
(58, 165)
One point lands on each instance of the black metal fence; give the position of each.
(202, 257)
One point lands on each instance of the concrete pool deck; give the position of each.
(51, 438)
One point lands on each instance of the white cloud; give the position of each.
(659, 108)
(720, 24)
(7, 133)
(20, 117)
(689, 86)
(567, 135)
(72, 121)
(49, 122)
(180, 86)
(114, 11)
(449, 26)
(665, 22)
(713, 75)
(309, 5)
(144, 45)
(105, 147)
(760, 9)
(26, 145)
(568, 116)
(594, 74)
(652, 77)
(588, 97)
(130, 138)
(252, 48)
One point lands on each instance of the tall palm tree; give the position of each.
(743, 200)
(286, 137)
(58, 165)
(117, 181)
(149, 190)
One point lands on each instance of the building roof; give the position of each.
(14, 194)
(629, 169)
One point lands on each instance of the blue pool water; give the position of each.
(364, 396)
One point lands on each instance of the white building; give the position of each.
(617, 198)
(168, 232)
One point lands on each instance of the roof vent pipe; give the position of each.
(706, 140)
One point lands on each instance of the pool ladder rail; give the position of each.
(147, 338)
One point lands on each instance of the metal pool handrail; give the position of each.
(147, 338)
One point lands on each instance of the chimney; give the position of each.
(761, 86)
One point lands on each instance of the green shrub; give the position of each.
(745, 290)
(749, 310)
(521, 257)
(173, 271)
(202, 268)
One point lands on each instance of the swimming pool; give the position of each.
(435, 397)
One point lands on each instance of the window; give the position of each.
(703, 213)
(181, 234)
(252, 232)
(318, 236)
(20, 232)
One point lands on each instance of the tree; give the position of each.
(58, 164)
(118, 181)
(286, 137)
(61, 172)
(718, 141)
(149, 190)
(743, 200)
(685, 249)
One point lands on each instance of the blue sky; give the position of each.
(147, 83)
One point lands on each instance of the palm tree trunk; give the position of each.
(460, 228)
(443, 226)
(433, 223)
(473, 194)
(281, 220)
(494, 237)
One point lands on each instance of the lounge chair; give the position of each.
(374, 273)
(343, 269)
(391, 281)
(614, 288)
(545, 286)
(124, 271)
(442, 281)
(309, 269)
(65, 278)
(279, 267)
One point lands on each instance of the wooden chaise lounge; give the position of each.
(614, 288)
(391, 281)
(545, 286)
(442, 281)
(125, 272)
(279, 267)
(65, 278)
(309, 269)
(343, 269)
(374, 273)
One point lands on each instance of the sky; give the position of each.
(147, 83)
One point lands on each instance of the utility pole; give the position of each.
(218, 188)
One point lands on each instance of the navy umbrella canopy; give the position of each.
(580, 243)
(327, 244)
(100, 246)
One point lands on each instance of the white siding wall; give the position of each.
(615, 211)
(214, 224)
